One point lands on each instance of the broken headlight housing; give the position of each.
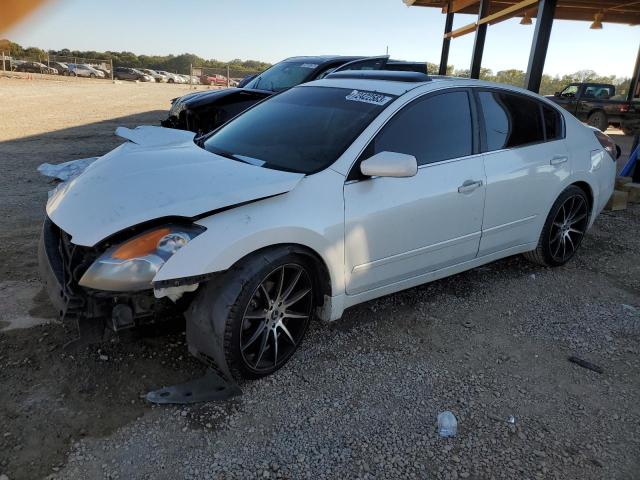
(132, 265)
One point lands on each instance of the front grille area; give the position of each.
(69, 262)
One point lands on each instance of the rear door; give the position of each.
(400, 228)
(526, 160)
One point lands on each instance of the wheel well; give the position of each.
(584, 186)
(597, 110)
(321, 271)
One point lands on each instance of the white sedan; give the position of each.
(330, 194)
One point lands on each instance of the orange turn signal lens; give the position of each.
(140, 246)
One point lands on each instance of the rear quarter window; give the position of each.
(553, 128)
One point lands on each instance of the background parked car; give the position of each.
(83, 70)
(125, 73)
(171, 77)
(62, 68)
(157, 76)
(106, 72)
(34, 67)
(214, 79)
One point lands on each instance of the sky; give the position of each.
(270, 30)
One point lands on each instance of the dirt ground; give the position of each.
(361, 397)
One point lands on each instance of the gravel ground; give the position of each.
(361, 397)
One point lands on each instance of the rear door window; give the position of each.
(510, 120)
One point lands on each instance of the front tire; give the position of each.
(563, 230)
(258, 313)
(599, 120)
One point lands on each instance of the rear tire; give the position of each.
(599, 120)
(255, 314)
(563, 230)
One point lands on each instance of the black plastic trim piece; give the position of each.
(389, 75)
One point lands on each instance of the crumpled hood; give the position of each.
(162, 174)
(211, 97)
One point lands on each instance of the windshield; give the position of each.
(283, 75)
(302, 130)
(570, 91)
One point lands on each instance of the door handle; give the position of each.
(469, 186)
(559, 159)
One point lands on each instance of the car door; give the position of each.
(525, 162)
(568, 97)
(400, 228)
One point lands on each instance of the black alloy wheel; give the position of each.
(276, 318)
(563, 230)
(568, 228)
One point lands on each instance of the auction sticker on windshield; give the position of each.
(309, 65)
(368, 97)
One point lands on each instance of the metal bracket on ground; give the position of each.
(209, 388)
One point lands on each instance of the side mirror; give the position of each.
(557, 94)
(389, 164)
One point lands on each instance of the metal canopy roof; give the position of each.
(612, 11)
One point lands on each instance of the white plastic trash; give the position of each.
(447, 424)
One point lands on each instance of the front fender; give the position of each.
(311, 216)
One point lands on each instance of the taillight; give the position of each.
(624, 108)
(607, 144)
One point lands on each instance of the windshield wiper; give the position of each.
(233, 156)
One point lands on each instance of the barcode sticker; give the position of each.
(368, 97)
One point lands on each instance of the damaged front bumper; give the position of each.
(96, 312)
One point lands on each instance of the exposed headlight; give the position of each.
(132, 265)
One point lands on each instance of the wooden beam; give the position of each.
(458, 32)
(458, 5)
(507, 13)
